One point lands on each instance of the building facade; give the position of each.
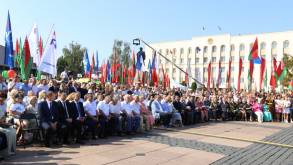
(199, 51)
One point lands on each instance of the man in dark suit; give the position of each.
(49, 117)
(78, 116)
(65, 116)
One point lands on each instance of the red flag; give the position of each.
(279, 69)
(133, 65)
(41, 47)
(275, 64)
(262, 71)
(209, 76)
(155, 77)
(251, 67)
(219, 75)
(229, 72)
(186, 77)
(239, 74)
(254, 50)
(273, 81)
(27, 52)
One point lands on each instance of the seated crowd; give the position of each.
(72, 112)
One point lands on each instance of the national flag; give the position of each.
(97, 62)
(8, 44)
(26, 61)
(108, 71)
(41, 47)
(275, 64)
(139, 62)
(262, 71)
(149, 72)
(49, 57)
(219, 75)
(16, 53)
(133, 65)
(86, 63)
(253, 55)
(273, 82)
(229, 72)
(92, 66)
(34, 44)
(154, 69)
(209, 76)
(239, 74)
(283, 75)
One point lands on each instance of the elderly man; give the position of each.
(137, 118)
(127, 110)
(115, 113)
(158, 111)
(104, 116)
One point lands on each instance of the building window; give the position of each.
(274, 49)
(174, 70)
(174, 51)
(181, 60)
(232, 58)
(222, 80)
(205, 50)
(214, 59)
(223, 50)
(196, 60)
(214, 69)
(189, 50)
(222, 58)
(285, 44)
(222, 69)
(205, 69)
(181, 51)
(214, 49)
(242, 47)
(205, 59)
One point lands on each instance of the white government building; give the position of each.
(199, 51)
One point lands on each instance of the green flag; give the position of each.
(283, 75)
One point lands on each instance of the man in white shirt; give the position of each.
(104, 112)
(136, 113)
(127, 110)
(116, 119)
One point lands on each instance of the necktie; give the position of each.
(65, 107)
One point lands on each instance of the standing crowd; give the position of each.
(66, 111)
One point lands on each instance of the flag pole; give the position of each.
(197, 81)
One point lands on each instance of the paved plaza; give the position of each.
(198, 144)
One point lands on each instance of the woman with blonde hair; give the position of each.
(42, 96)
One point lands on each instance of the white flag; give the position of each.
(34, 44)
(49, 58)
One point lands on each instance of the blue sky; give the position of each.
(95, 24)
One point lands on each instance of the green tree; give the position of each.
(71, 59)
(121, 52)
(193, 86)
(288, 61)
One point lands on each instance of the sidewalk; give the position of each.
(159, 147)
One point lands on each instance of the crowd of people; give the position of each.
(69, 112)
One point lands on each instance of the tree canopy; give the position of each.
(71, 60)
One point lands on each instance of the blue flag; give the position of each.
(108, 71)
(97, 61)
(9, 44)
(86, 63)
(257, 60)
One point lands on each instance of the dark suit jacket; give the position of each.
(62, 112)
(75, 111)
(48, 115)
